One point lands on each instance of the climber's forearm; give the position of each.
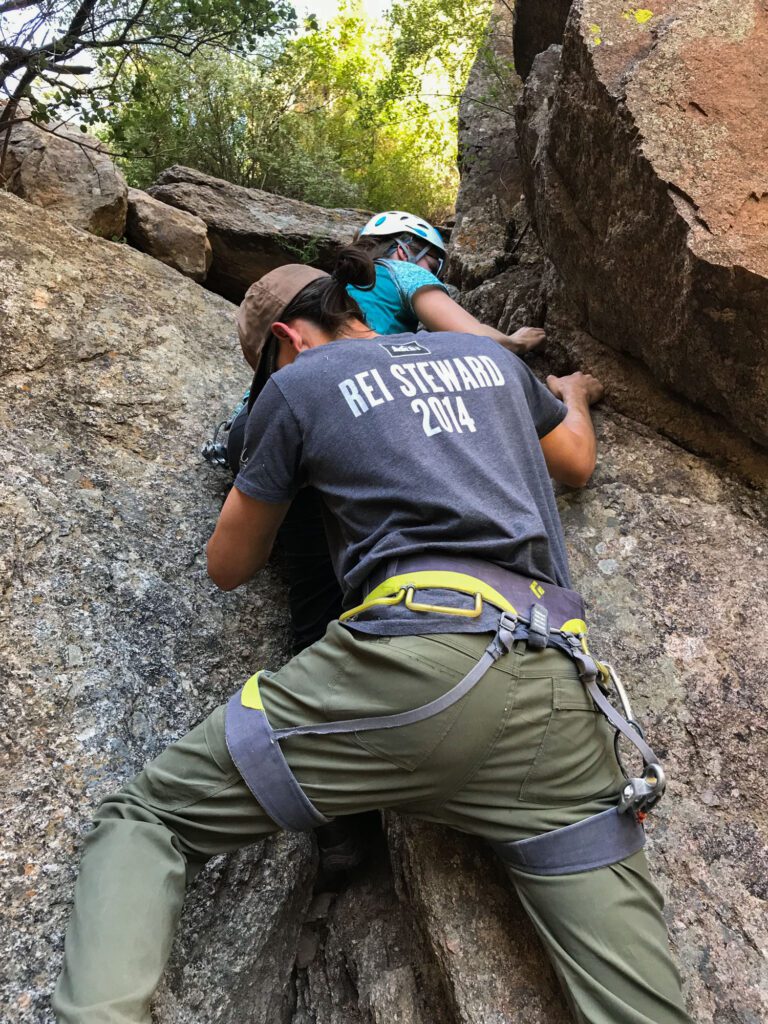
(570, 450)
(490, 332)
(438, 312)
(243, 539)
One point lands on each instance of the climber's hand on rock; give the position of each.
(524, 340)
(570, 450)
(576, 386)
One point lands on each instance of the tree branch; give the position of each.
(16, 5)
(8, 117)
(66, 69)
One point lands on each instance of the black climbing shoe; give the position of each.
(341, 847)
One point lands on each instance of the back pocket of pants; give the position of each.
(409, 746)
(575, 760)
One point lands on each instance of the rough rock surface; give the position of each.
(478, 950)
(67, 173)
(172, 236)
(671, 556)
(356, 963)
(645, 171)
(251, 231)
(112, 368)
(113, 643)
(671, 553)
(483, 238)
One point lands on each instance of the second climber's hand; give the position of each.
(524, 340)
(576, 386)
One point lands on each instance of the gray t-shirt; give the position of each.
(418, 443)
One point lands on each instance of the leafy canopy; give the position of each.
(57, 53)
(358, 112)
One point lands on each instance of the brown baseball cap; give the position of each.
(264, 302)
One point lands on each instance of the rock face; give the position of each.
(115, 643)
(67, 173)
(656, 540)
(356, 963)
(112, 368)
(172, 236)
(644, 159)
(252, 232)
(494, 257)
(481, 961)
(483, 238)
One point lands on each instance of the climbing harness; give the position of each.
(594, 842)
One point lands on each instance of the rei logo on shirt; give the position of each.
(406, 348)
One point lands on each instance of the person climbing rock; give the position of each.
(409, 255)
(456, 686)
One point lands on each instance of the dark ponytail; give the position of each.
(354, 266)
(325, 301)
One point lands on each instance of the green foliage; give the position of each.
(71, 53)
(354, 113)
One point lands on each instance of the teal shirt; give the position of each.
(387, 307)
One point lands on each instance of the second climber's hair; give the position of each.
(325, 301)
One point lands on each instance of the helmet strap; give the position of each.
(407, 243)
(419, 256)
(425, 252)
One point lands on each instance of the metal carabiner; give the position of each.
(626, 708)
(439, 609)
(637, 794)
(640, 795)
(623, 696)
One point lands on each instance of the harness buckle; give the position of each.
(538, 627)
(502, 642)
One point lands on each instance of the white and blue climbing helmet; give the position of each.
(398, 222)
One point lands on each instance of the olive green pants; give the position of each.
(523, 753)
